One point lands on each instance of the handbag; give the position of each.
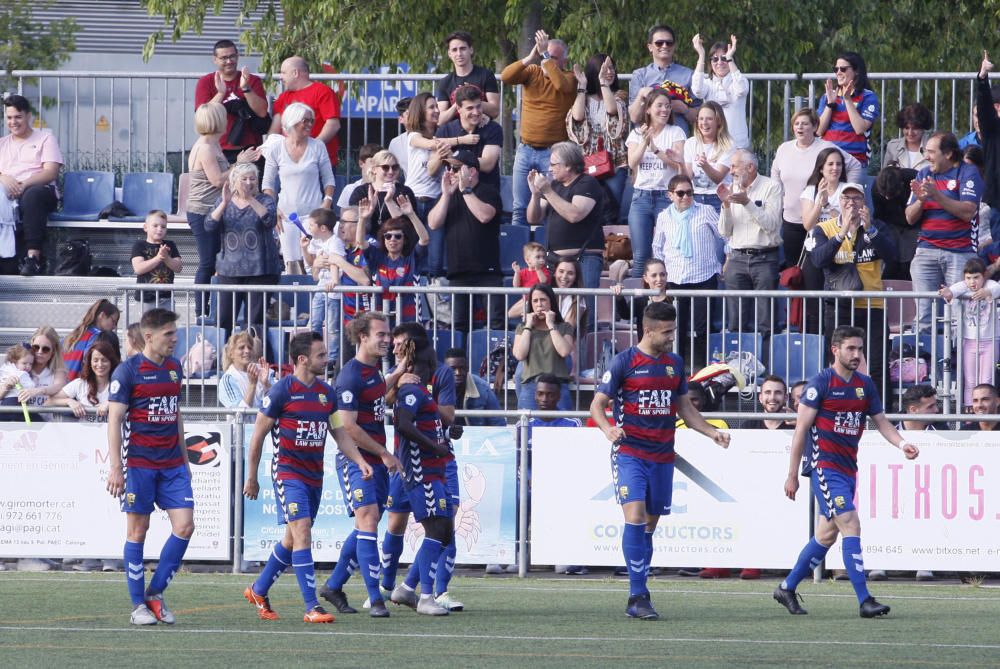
(599, 163)
(792, 278)
(617, 247)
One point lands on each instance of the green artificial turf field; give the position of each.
(69, 620)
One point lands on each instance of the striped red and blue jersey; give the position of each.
(940, 229)
(356, 257)
(442, 386)
(841, 132)
(420, 466)
(361, 388)
(645, 391)
(73, 358)
(151, 395)
(403, 271)
(302, 418)
(990, 253)
(843, 407)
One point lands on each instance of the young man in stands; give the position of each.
(29, 166)
(460, 52)
(985, 401)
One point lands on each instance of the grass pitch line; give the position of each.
(501, 637)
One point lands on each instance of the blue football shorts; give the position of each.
(359, 492)
(296, 500)
(636, 480)
(167, 488)
(834, 491)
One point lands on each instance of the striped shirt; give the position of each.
(704, 261)
(843, 407)
(302, 416)
(940, 229)
(361, 388)
(841, 132)
(151, 395)
(419, 465)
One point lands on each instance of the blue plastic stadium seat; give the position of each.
(541, 235)
(512, 241)
(795, 356)
(507, 193)
(481, 342)
(145, 191)
(444, 339)
(721, 343)
(188, 336)
(85, 194)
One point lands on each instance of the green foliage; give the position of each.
(27, 44)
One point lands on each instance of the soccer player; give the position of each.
(431, 486)
(149, 462)
(832, 410)
(649, 390)
(361, 397)
(297, 412)
(408, 339)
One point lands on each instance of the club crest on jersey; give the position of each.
(115, 387)
(266, 402)
(411, 400)
(322, 398)
(130, 499)
(607, 377)
(442, 504)
(670, 370)
(173, 376)
(359, 495)
(811, 394)
(952, 184)
(293, 508)
(388, 502)
(860, 393)
(839, 501)
(347, 397)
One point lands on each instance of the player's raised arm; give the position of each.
(598, 409)
(803, 423)
(694, 420)
(892, 435)
(261, 429)
(116, 476)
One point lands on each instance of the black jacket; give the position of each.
(989, 128)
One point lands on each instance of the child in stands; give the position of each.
(155, 260)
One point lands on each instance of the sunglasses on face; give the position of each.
(388, 168)
(44, 349)
(389, 236)
(841, 68)
(663, 42)
(720, 59)
(454, 168)
(684, 193)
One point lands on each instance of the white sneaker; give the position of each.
(35, 565)
(112, 565)
(429, 607)
(493, 569)
(143, 616)
(445, 600)
(925, 575)
(878, 575)
(87, 565)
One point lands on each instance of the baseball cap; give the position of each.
(464, 157)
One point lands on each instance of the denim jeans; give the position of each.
(209, 244)
(526, 159)
(325, 311)
(646, 206)
(930, 268)
(435, 251)
(526, 393)
(615, 185)
(711, 199)
(591, 266)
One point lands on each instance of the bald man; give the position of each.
(320, 98)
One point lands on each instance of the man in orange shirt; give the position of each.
(548, 93)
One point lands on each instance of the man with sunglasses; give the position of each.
(662, 45)
(468, 210)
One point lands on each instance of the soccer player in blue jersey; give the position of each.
(148, 461)
(649, 390)
(430, 482)
(409, 339)
(297, 412)
(361, 398)
(831, 418)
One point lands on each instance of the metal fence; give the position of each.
(129, 122)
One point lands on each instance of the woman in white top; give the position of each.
(708, 155)
(821, 196)
(299, 166)
(47, 370)
(423, 168)
(245, 382)
(915, 122)
(727, 86)
(655, 156)
(91, 389)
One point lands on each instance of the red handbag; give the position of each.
(599, 164)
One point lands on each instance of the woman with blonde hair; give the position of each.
(708, 155)
(48, 370)
(247, 377)
(383, 191)
(209, 170)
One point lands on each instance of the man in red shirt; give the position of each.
(324, 103)
(240, 92)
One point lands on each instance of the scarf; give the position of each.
(682, 242)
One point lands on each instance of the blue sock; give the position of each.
(305, 572)
(446, 567)
(412, 576)
(634, 548)
(276, 565)
(855, 565)
(135, 572)
(369, 563)
(810, 558)
(346, 564)
(427, 557)
(170, 562)
(649, 551)
(392, 550)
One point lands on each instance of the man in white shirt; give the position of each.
(751, 224)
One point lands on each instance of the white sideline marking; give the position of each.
(502, 637)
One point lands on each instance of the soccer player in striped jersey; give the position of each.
(430, 481)
(297, 412)
(149, 462)
(831, 419)
(649, 390)
(361, 398)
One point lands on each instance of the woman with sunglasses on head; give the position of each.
(384, 173)
(47, 370)
(394, 260)
(849, 108)
(299, 175)
(726, 85)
